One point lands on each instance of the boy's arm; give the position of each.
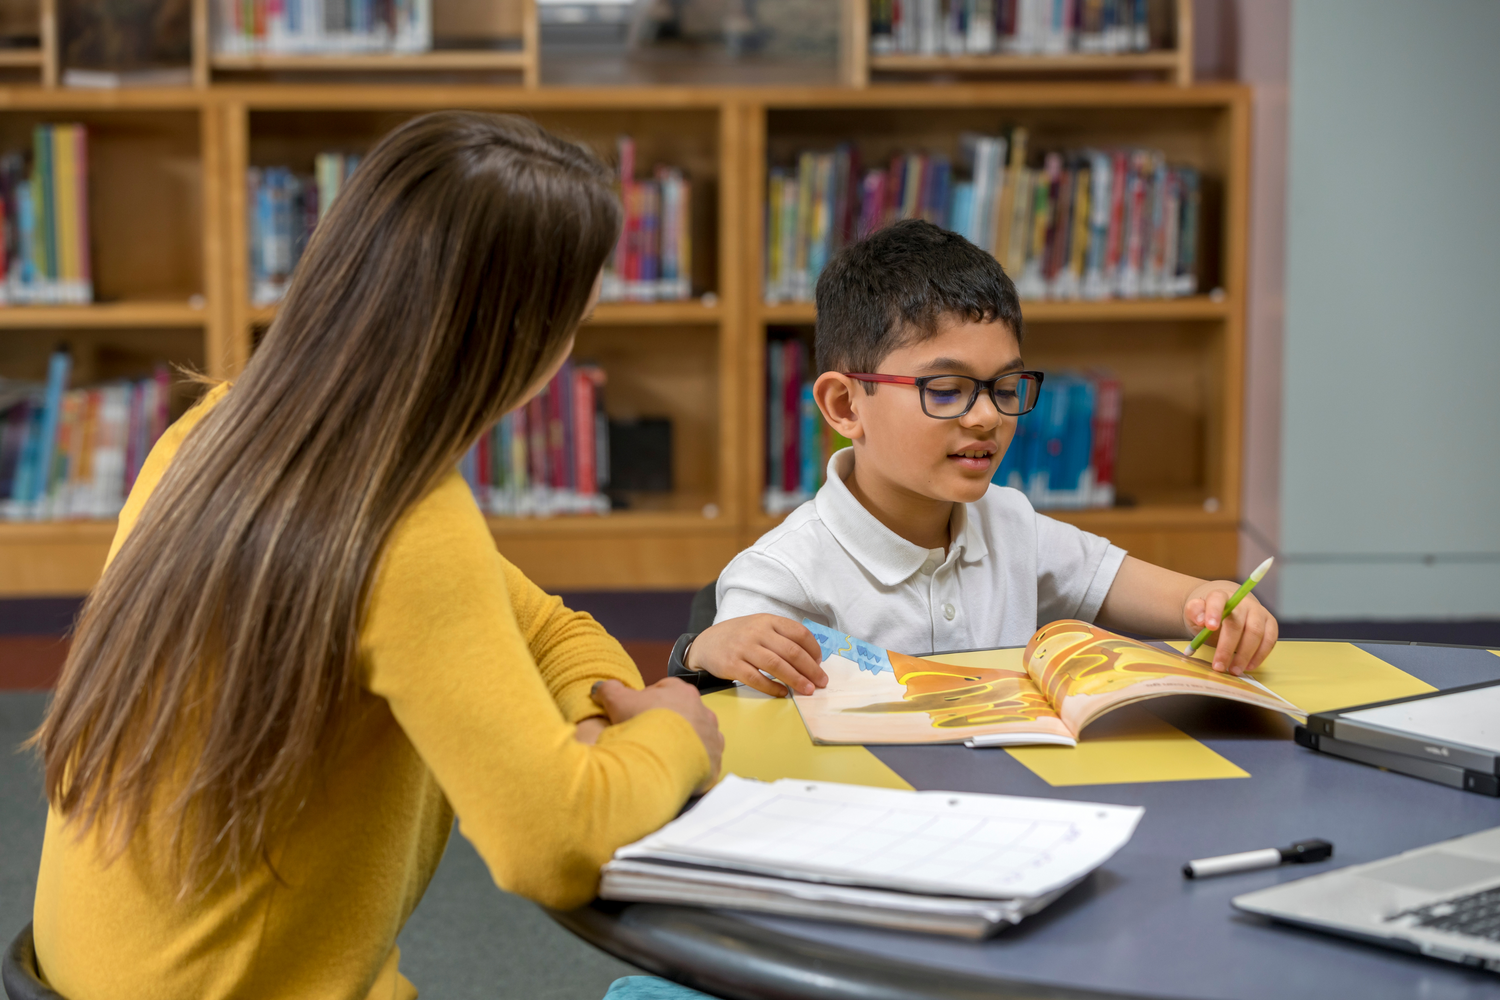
(1156, 601)
(757, 630)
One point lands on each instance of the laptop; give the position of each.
(1442, 901)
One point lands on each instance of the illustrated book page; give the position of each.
(878, 696)
(1086, 671)
(1068, 675)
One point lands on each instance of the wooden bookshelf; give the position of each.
(169, 204)
(859, 65)
(673, 359)
(1179, 360)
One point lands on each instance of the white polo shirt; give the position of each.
(1008, 571)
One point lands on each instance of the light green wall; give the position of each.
(1390, 468)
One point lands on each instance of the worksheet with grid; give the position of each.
(945, 843)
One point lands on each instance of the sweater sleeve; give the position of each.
(572, 650)
(444, 645)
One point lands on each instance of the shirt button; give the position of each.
(949, 611)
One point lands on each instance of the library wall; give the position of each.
(1390, 461)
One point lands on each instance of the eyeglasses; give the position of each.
(948, 397)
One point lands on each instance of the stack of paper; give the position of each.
(941, 862)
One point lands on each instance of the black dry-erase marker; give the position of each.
(1299, 853)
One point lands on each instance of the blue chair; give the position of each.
(20, 973)
(651, 988)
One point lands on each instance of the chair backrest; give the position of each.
(704, 607)
(20, 973)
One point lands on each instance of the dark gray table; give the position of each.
(1136, 927)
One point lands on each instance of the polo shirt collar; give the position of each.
(890, 558)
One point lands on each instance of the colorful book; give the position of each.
(1070, 674)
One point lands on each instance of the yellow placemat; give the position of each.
(1127, 745)
(1317, 676)
(764, 738)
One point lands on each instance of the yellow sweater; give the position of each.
(473, 680)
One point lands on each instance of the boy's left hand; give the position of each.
(1243, 640)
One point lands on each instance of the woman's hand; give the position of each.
(622, 703)
(589, 729)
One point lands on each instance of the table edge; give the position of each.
(714, 951)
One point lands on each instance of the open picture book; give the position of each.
(1069, 674)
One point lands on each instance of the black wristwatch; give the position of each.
(700, 679)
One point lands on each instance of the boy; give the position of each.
(908, 545)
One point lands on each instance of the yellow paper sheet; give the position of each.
(1127, 745)
(764, 738)
(1318, 676)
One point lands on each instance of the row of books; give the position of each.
(320, 27)
(1063, 453)
(1015, 27)
(551, 456)
(1090, 224)
(75, 453)
(653, 262)
(44, 215)
(798, 439)
(284, 207)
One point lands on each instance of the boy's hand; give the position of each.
(623, 703)
(740, 648)
(1243, 640)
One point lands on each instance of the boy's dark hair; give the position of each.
(893, 287)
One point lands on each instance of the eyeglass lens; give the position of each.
(950, 395)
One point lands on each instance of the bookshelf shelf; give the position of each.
(858, 64)
(692, 313)
(393, 62)
(656, 313)
(21, 57)
(1196, 307)
(104, 315)
(1068, 64)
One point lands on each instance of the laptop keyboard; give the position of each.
(1475, 915)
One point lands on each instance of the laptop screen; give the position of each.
(1471, 718)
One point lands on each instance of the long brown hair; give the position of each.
(216, 656)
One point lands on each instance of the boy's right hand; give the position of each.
(740, 648)
(622, 703)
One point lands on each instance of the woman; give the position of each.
(306, 656)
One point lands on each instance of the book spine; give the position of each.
(583, 422)
(65, 187)
(58, 368)
(17, 418)
(1107, 405)
(84, 248)
(557, 464)
(812, 455)
(775, 362)
(791, 474)
(567, 384)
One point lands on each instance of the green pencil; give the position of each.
(1233, 602)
